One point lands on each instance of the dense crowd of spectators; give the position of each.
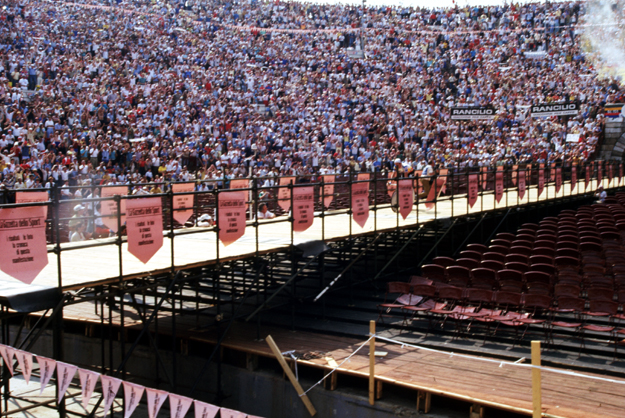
(141, 91)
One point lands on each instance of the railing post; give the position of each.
(536, 389)
(372, 363)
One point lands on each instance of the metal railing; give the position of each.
(455, 185)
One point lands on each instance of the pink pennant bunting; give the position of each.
(328, 190)
(405, 196)
(25, 360)
(231, 216)
(23, 251)
(541, 181)
(303, 210)
(573, 177)
(558, 176)
(484, 177)
(7, 355)
(205, 410)
(284, 193)
(46, 370)
(156, 398)
(88, 380)
(64, 376)
(132, 397)
(183, 203)
(179, 406)
(145, 227)
(552, 172)
(229, 413)
(110, 386)
(109, 207)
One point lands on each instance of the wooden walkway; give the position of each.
(86, 267)
(440, 373)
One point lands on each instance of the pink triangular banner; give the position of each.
(88, 380)
(25, 360)
(205, 410)
(179, 405)
(46, 370)
(7, 355)
(64, 376)
(229, 413)
(156, 398)
(132, 396)
(110, 386)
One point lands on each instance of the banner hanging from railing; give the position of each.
(303, 210)
(156, 399)
(231, 216)
(552, 172)
(405, 194)
(472, 189)
(484, 177)
(242, 184)
(573, 177)
(88, 380)
(587, 172)
(498, 185)
(179, 405)
(360, 202)
(522, 183)
(145, 227)
(515, 169)
(183, 203)
(110, 387)
(109, 207)
(558, 179)
(541, 180)
(599, 173)
(132, 397)
(328, 190)
(284, 193)
(33, 197)
(23, 250)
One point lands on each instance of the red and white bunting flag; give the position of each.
(88, 380)
(179, 405)
(7, 355)
(205, 410)
(110, 386)
(229, 413)
(132, 396)
(25, 360)
(46, 370)
(64, 376)
(155, 400)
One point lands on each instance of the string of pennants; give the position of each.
(179, 406)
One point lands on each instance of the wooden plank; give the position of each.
(291, 376)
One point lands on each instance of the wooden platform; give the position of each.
(471, 380)
(85, 267)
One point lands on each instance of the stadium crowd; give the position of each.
(141, 91)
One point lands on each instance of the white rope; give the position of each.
(337, 367)
(502, 363)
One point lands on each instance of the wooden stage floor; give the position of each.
(85, 267)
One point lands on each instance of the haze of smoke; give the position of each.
(603, 37)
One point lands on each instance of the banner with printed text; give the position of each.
(109, 207)
(360, 203)
(303, 210)
(573, 177)
(33, 197)
(231, 216)
(328, 190)
(183, 203)
(405, 194)
(23, 251)
(284, 193)
(498, 186)
(522, 185)
(558, 179)
(473, 188)
(145, 227)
